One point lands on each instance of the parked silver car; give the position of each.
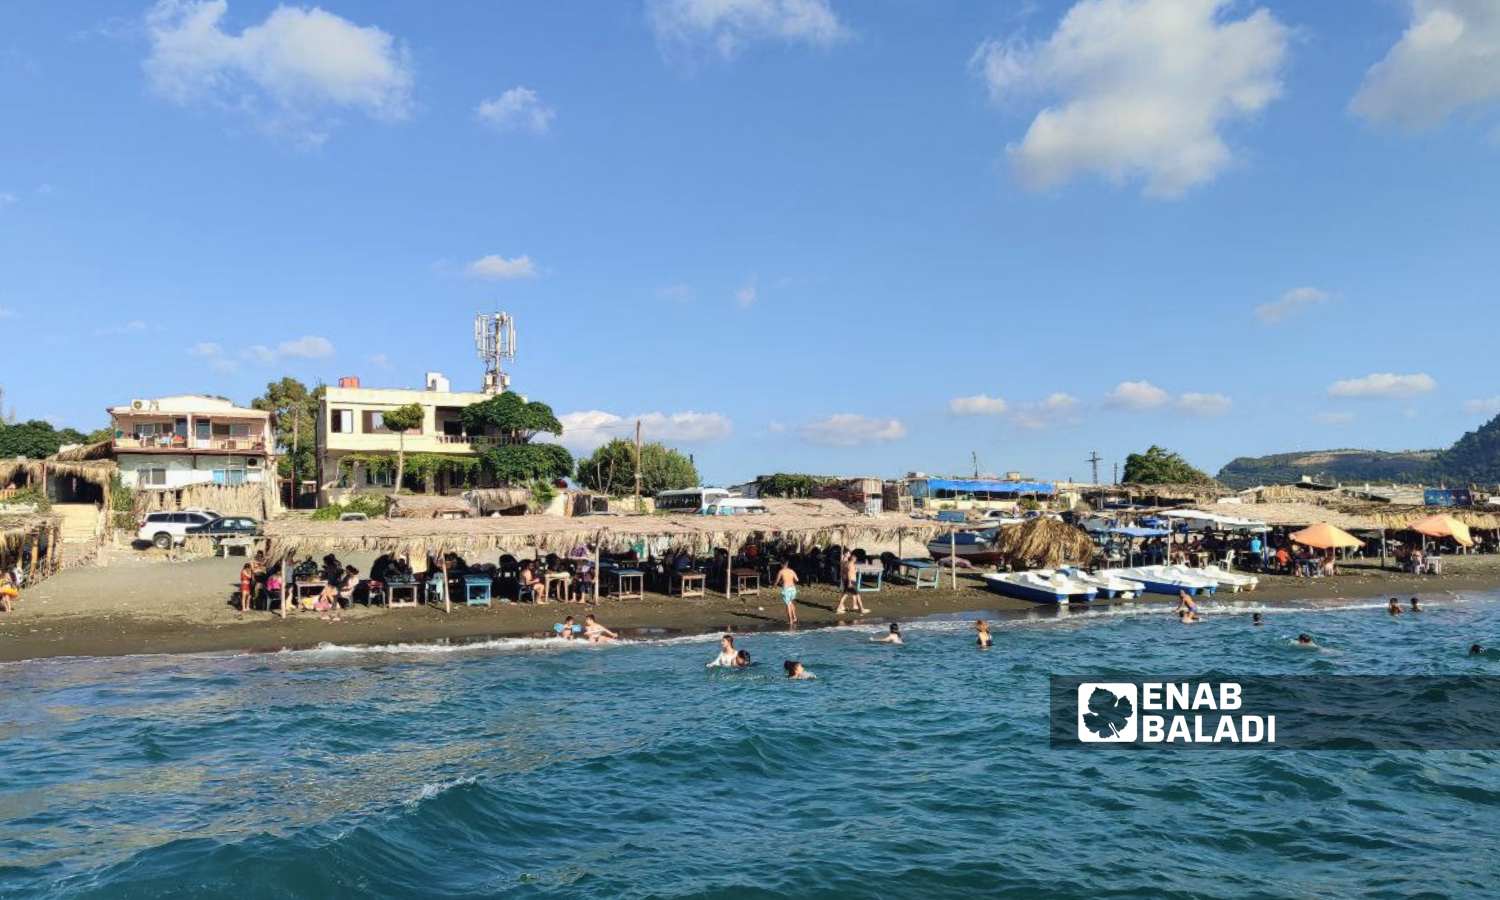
(167, 528)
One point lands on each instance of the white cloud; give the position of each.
(1204, 404)
(747, 295)
(497, 268)
(213, 354)
(1483, 406)
(1146, 89)
(1383, 384)
(518, 109)
(728, 25)
(205, 349)
(292, 72)
(380, 360)
(1333, 418)
(307, 347)
(1136, 395)
(852, 430)
(1447, 60)
(1293, 301)
(977, 405)
(587, 429)
(6, 199)
(1055, 409)
(776, 427)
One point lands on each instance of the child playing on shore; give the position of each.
(8, 591)
(566, 630)
(247, 586)
(596, 633)
(786, 579)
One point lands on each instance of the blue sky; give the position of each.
(798, 235)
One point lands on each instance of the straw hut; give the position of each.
(1044, 542)
(430, 506)
(505, 501)
(33, 541)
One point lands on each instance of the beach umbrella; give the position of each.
(1442, 525)
(1323, 536)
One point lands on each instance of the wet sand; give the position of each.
(141, 603)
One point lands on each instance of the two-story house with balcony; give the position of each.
(351, 431)
(176, 442)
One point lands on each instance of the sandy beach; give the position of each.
(143, 603)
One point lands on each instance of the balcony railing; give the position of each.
(179, 443)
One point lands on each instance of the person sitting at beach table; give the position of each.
(596, 633)
(795, 670)
(982, 629)
(530, 581)
(850, 569)
(891, 637)
(786, 579)
(726, 656)
(1394, 607)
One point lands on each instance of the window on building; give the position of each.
(343, 421)
(231, 430)
(453, 428)
(373, 423)
(152, 477)
(378, 477)
(229, 476)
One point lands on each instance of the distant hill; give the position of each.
(1330, 465)
(1473, 459)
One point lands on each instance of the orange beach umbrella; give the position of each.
(1323, 536)
(1442, 525)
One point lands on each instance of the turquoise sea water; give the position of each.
(525, 768)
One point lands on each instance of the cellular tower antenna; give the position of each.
(495, 341)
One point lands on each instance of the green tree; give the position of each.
(513, 421)
(510, 418)
(611, 469)
(401, 420)
(525, 463)
(34, 439)
(1159, 465)
(296, 411)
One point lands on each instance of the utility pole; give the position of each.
(296, 443)
(1093, 460)
(638, 507)
(975, 457)
(1117, 473)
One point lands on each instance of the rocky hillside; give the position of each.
(1473, 459)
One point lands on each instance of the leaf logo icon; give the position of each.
(1106, 712)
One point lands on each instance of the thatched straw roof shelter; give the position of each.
(804, 522)
(86, 452)
(1044, 542)
(430, 506)
(498, 500)
(1358, 516)
(10, 467)
(18, 533)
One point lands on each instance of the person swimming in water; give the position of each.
(1187, 616)
(1475, 649)
(1394, 607)
(727, 654)
(795, 670)
(1185, 601)
(890, 637)
(1305, 640)
(742, 659)
(596, 633)
(982, 629)
(1415, 605)
(1255, 619)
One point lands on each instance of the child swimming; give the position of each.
(891, 637)
(727, 654)
(1394, 607)
(742, 659)
(1305, 640)
(795, 670)
(982, 629)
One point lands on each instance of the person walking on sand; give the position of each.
(786, 579)
(850, 570)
